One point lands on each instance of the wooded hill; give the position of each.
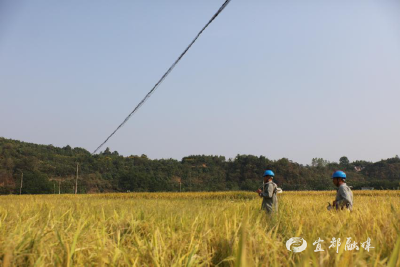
(48, 169)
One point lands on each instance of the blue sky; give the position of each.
(294, 79)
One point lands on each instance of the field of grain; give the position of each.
(196, 229)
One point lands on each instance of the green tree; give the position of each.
(36, 183)
(319, 162)
(344, 161)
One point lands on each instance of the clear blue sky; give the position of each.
(295, 79)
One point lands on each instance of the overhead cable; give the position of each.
(164, 76)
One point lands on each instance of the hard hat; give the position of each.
(339, 174)
(269, 173)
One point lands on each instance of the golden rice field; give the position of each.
(195, 229)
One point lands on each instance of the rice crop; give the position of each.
(197, 229)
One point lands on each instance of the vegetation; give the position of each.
(195, 229)
(48, 169)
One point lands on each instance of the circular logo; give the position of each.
(296, 244)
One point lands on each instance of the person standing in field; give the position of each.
(268, 192)
(344, 196)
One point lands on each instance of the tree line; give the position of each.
(45, 169)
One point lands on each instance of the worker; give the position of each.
(268, 193)
(344, 196)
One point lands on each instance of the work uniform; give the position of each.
(270, 200)
(344, 197)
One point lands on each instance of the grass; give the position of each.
(195, 229)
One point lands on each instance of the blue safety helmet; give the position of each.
(269, 173)
(339, 174)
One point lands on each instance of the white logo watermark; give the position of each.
(296, 244)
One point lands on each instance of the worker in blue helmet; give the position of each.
(268, 192)
(344, 196)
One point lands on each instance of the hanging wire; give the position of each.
(165, 75)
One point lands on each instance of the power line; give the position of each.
(165, 75)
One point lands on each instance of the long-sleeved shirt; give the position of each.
(270, 200)
(344, 197)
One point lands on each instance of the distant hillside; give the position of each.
(49, 169)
